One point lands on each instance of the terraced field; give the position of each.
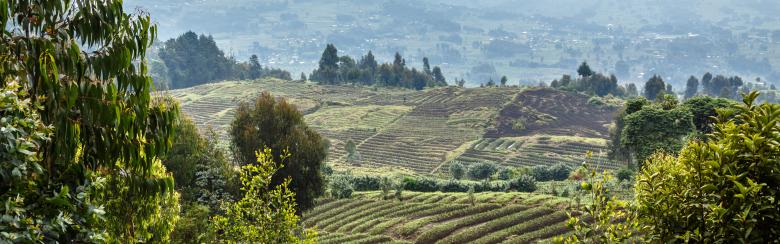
(418, 132)
(439, 218)
(530, 151)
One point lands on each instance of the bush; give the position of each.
(524, 183)
(541, 173)
(625, 174)
(505, 173)
(730, 182)
(193, 225)
(420, 184)
(558, 171)
(341, 187)
(457, 170)
(487, 186)
(366, 183)
(481, 171)
(453, 186)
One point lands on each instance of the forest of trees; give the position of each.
(335, 69)
(194, 60)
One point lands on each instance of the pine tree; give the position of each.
(584, 70)
(504, 80)
(438, 77)
(653, 87)
(691, 87)
(328, 66)
(706, 83)
(631, 90)
(426, 66)
(255, 70)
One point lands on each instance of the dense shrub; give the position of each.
(549, 173)
(341, 187)
(504, 173)
(541, 173)
(480, 171)
(420, 184)
(560, 171)
(453, 186)
(625, 174)
(524, 183)
(722, 190)
(365, 183)
(457, 170)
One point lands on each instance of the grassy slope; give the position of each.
(439, 218)
(411, 132)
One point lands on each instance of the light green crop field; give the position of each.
(439, 218)
(419, 132)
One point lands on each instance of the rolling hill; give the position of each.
(419, 132)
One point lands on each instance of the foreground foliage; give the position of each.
(266, 213)
(99, 177)
(723, 190)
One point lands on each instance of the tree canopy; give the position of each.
(193, 60)
(591, 83)
(334, 69)
(643, 127)
(275, 124)
(654, 87)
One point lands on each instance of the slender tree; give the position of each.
(631, 90)
(426, 66)
(691, 87)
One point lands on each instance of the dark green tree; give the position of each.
(584, 70)
(277, 125)
(438, 77)
(329, 65)
(255, 69)
(704, 109)
(706, 80)
(426, 66)
(653, 128)
(194, 60)
(691, 87)
(504, 80)
(653, 87)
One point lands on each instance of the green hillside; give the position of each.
(439, 218)
(419, 132)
